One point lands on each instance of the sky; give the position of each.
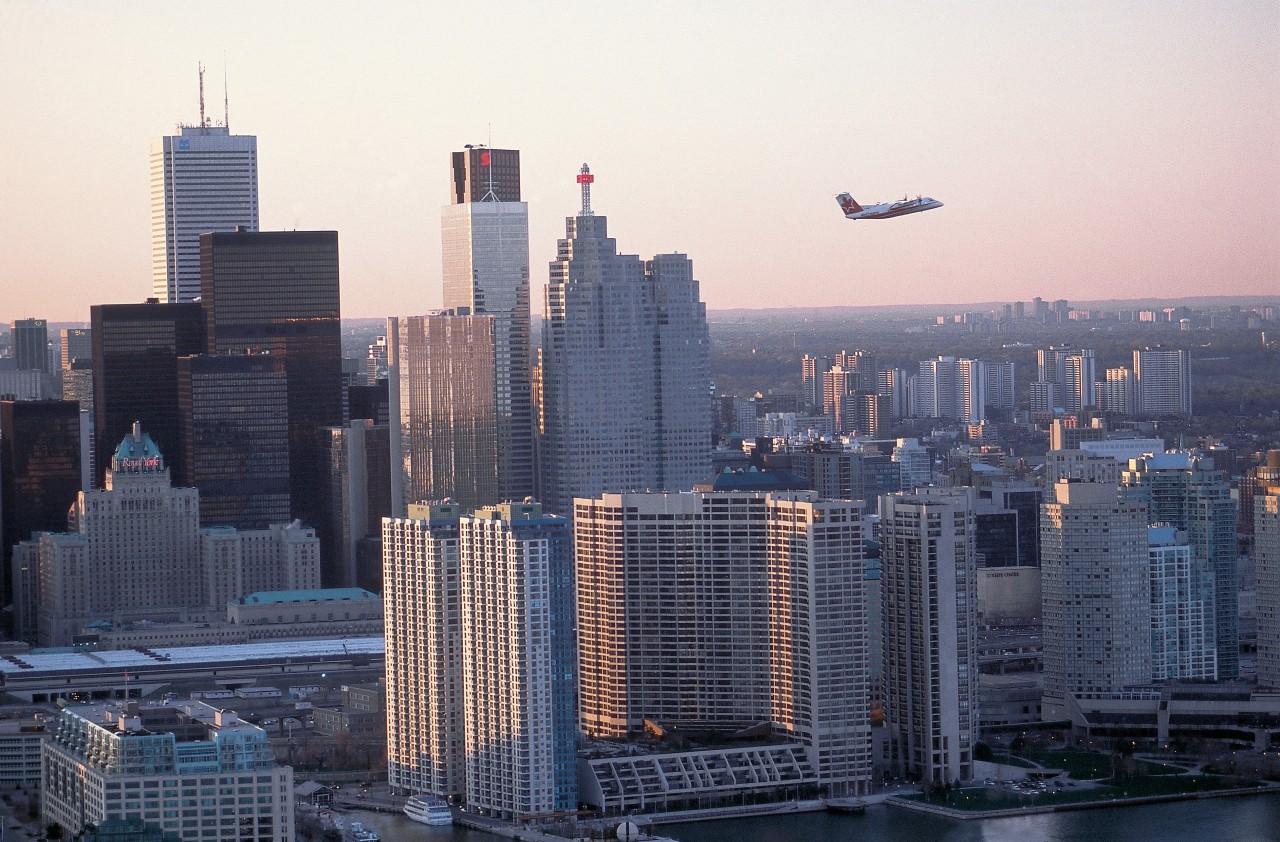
(1083, 150)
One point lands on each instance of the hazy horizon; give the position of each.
(1083, 151)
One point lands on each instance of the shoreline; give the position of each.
(1132, 801)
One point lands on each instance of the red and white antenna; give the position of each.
(585, 178)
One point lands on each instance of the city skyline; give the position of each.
(1080, 151)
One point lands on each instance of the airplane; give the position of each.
(888, 210)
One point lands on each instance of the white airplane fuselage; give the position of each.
(887, 210)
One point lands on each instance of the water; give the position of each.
(1252, 819)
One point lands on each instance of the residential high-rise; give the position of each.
(234, 411)
(444, 436)
(626, 371)
(971, 390)
(423, 627)
(485, 251)
(518, 661)
(277, 293)
(811, 370)
(772, 585)
(1079, 376)
(39, 473)
(936, 388)
(189, 769)
(1182, 619)
(1183, 490)
(31, 345)
(1001, 385)
(202, 179)
(1096, 595)
(1119, 392)
(1266, 553)
(929, 599)
(135, 374)
(1162, 377)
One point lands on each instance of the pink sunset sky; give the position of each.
(1084, 150)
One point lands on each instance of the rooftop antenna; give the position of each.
(486, 162)
(200, 70)
(226, 103)
(585, 178)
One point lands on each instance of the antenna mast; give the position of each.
(226, 103)
(200, 69)
(585, 178)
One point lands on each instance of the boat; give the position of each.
(360, 833)
(428, 810)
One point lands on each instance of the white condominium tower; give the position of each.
(727, 607)
(929, 614)
(423, 627)
(485, 234)
(626, 369)
(1096, 595)
(518, 680)
(202, 179)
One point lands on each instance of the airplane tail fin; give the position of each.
(848, 205)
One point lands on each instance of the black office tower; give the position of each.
(235, 438)
(135, 374)
(276, 292)
(39, 472)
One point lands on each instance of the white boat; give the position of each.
(428, 810)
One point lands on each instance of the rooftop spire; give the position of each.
(585, 178)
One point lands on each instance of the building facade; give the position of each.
(1266, 551)
(626, 371)
(202, 179)
(772, 589)
(929, 579)
(1182, 617)
(1162, 377)
(485, 250)
(1096, 593)
(1184, 490)
(518, 664)
(420, 589)
(191, 770)
(444, 441)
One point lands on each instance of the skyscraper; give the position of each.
(485, 251)
(135, 373)
(444, 438)
(1096, 595)
(31, 345)
(202, 179)
(234, 412)
(771, 589)
(1183, 490)
(1266, 542)
(1163, 381)
(518, 661)
(1182, 619)
(423, 627)
(277, 293)
(39, 472)
(626, 369)
(929, 599)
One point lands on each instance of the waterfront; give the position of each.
(1248, 819)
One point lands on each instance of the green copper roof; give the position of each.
(137, 453)
(316, 595)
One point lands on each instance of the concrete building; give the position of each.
(915, 462)
(359, 496)
(444, 441)
(1096, 586)
(626, 372)
(1184, 490)
(1266, 543)
(773, 587)
(1182, 619)
(1162, 377)
(929, 613)
(485, 250)
(518, 665)
(202, 179)
(190, 769)
(235, 563)
(31, 345)
(420, 587)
